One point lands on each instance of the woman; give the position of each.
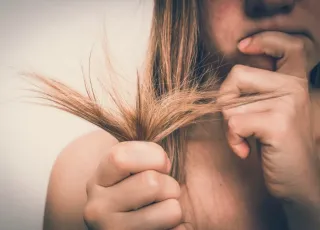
(263, 47)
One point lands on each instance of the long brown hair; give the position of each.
(171, 95)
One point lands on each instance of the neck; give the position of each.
(211, 128)
(315, 100)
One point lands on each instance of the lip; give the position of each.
(305, 33)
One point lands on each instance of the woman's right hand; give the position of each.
(131, 189)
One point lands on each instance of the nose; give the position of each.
(268, 8)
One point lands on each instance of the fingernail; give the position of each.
(244, 43)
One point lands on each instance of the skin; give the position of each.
(226, 22)
(258, 168)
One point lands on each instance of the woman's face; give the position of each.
(226, 22)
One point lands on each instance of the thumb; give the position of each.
(294, 54)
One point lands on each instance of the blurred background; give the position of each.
(53, 38)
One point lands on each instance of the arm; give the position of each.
(66, 194)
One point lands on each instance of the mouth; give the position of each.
(287, 31)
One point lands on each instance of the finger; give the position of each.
(238, 144)
(128, 158)
(244, 79)
(163, 215)
(256, 125)
(141, 190)
(295, 53)
(253, 107)
(182, 227)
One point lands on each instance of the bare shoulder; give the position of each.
(73, 167)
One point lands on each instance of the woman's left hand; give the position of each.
(283, 125)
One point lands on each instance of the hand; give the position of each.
(132, 190)
(283, 124)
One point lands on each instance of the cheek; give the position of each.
(224, 20)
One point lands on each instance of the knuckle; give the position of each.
(161, 153)
(298, 45)
(234, 76)
(175, 210)
(117, 157)
(156, 146)
(92, 213)
(163, 159)
(232, 123)
(151, 179)
(238, 69)
(223, 89)
(233, 73)
(176, 190)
